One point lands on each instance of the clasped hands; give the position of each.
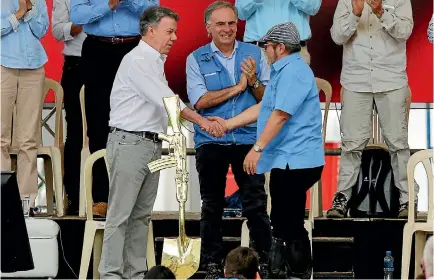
(214, 126)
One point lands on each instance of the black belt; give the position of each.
(116, 40)
(302, 43)
(145, 134)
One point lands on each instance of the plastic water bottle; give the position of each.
(388, 265)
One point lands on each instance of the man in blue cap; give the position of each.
(289, 145)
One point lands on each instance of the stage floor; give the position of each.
(355, 248)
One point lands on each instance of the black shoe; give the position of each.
(339, 207)
(214, 271)
(264, 271)
(298, 256)
(276, 259)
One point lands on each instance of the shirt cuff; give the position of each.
(354, 20)
(67, 31)
(182, 105)
(29, 15)
(14, 22)
(386, 18)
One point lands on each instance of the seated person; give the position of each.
(242, 263)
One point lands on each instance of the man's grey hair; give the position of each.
(291, 48)
(153, 15)
(218, 5)
(428, 257)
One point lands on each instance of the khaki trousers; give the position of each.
(23, 89)
(356, 131)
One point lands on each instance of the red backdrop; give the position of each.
(326, 56)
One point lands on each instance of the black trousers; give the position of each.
(288, 190)
(212, 163)
(72, 81)
(101, 62)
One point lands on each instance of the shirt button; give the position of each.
(372, 70)
(370, 24)
(370, 36)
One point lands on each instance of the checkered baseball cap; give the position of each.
(282, 33)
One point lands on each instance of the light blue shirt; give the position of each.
(21, 47)
(292, 89)
(261, 15)
(196, 86)
(98, 19)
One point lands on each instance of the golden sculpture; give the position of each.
(181, 255)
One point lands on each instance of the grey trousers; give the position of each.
(356, 131)
(133, 190)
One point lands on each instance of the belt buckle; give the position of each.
(155, 137)
(116, 40)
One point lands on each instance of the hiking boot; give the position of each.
(277, 263)
(339, 207)
(403, 211)
(214, 271)
(299, 258)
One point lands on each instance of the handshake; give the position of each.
(215, 126)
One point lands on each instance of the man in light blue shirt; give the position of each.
(224, 78)
(289, 145)
(23, 24)
(261, 15)
(112, 29)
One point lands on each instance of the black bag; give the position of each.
(375, 195)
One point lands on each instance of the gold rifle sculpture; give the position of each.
(180, 255)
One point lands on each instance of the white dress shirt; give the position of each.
(136, 101)
(374, 49)
(62, 28)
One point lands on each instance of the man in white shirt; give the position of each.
(137, 116)
(72, 81)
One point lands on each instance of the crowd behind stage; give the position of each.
(255, 107)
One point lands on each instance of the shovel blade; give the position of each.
(183, 263)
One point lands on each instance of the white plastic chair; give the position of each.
(421, 229)
(84, 154)
(52, 155)
(94, 230)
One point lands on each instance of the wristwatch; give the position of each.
(256, 148)
(256, 84)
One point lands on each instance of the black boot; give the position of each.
(298, 256)
(276, 259)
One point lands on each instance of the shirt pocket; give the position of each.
(212, 79)
(389, 5)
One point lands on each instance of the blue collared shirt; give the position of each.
(21, 47)
(261, 15)
(292, 89)
(196, 86)
(99, 20)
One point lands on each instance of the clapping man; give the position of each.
(224, 78)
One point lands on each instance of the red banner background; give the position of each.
(326, 56)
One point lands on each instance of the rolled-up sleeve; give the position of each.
(344, 23)
(196, 87)
(264, 75)
(246, 8)
(292, 91)
(61, 23)
(399, 23)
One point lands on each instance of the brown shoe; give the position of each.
(99, 209)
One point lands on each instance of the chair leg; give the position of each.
(82, 205)
(245, 235)
(150, 250)
(420, 240)
(406, 251)
(58, 183)
(48, 170)
(89, 237)
(97, 250)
